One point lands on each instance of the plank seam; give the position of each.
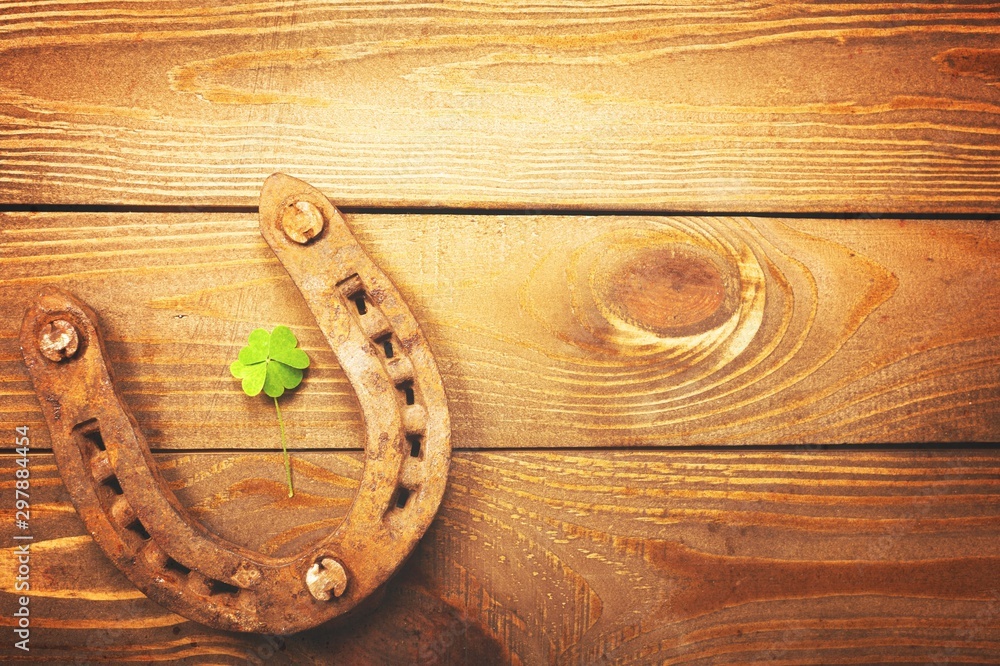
(703, 448)
(486, 211)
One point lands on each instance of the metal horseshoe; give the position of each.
(140, 525)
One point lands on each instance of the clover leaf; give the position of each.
(272, 362)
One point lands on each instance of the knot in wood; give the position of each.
(672, 290)
(58, 340)
(326, 576)
(666, 289)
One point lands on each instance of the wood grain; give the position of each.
(722, 106)
(578, 557)
(550, 331)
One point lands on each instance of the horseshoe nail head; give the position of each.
(326, 576)
(58, 340)
(301, 221)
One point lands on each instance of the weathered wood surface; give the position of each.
(549, 331)
(578, 558)
(724, 106)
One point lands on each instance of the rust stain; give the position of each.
(977, 63)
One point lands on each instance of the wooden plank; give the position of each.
(550, 331)
(724, 106)
(574, 557)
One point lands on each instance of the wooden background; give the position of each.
(705, 106)
(710, 406)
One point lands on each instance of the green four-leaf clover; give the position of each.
(271, 362)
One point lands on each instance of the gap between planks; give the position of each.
(486, 211)
(696, 448)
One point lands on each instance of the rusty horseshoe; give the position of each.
(140, 525)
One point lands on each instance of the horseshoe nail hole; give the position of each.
(91, 432)
(219, 587)
(137, 527)
(402, 497)
(359, 302)
(414, 441)
(176, 567)
(407, 390)
(112, 482)
(94, 436)
(386, 343)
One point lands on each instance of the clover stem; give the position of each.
(284, 449)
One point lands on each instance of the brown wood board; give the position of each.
(872, 106)
(550, 331)
(576, 557)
